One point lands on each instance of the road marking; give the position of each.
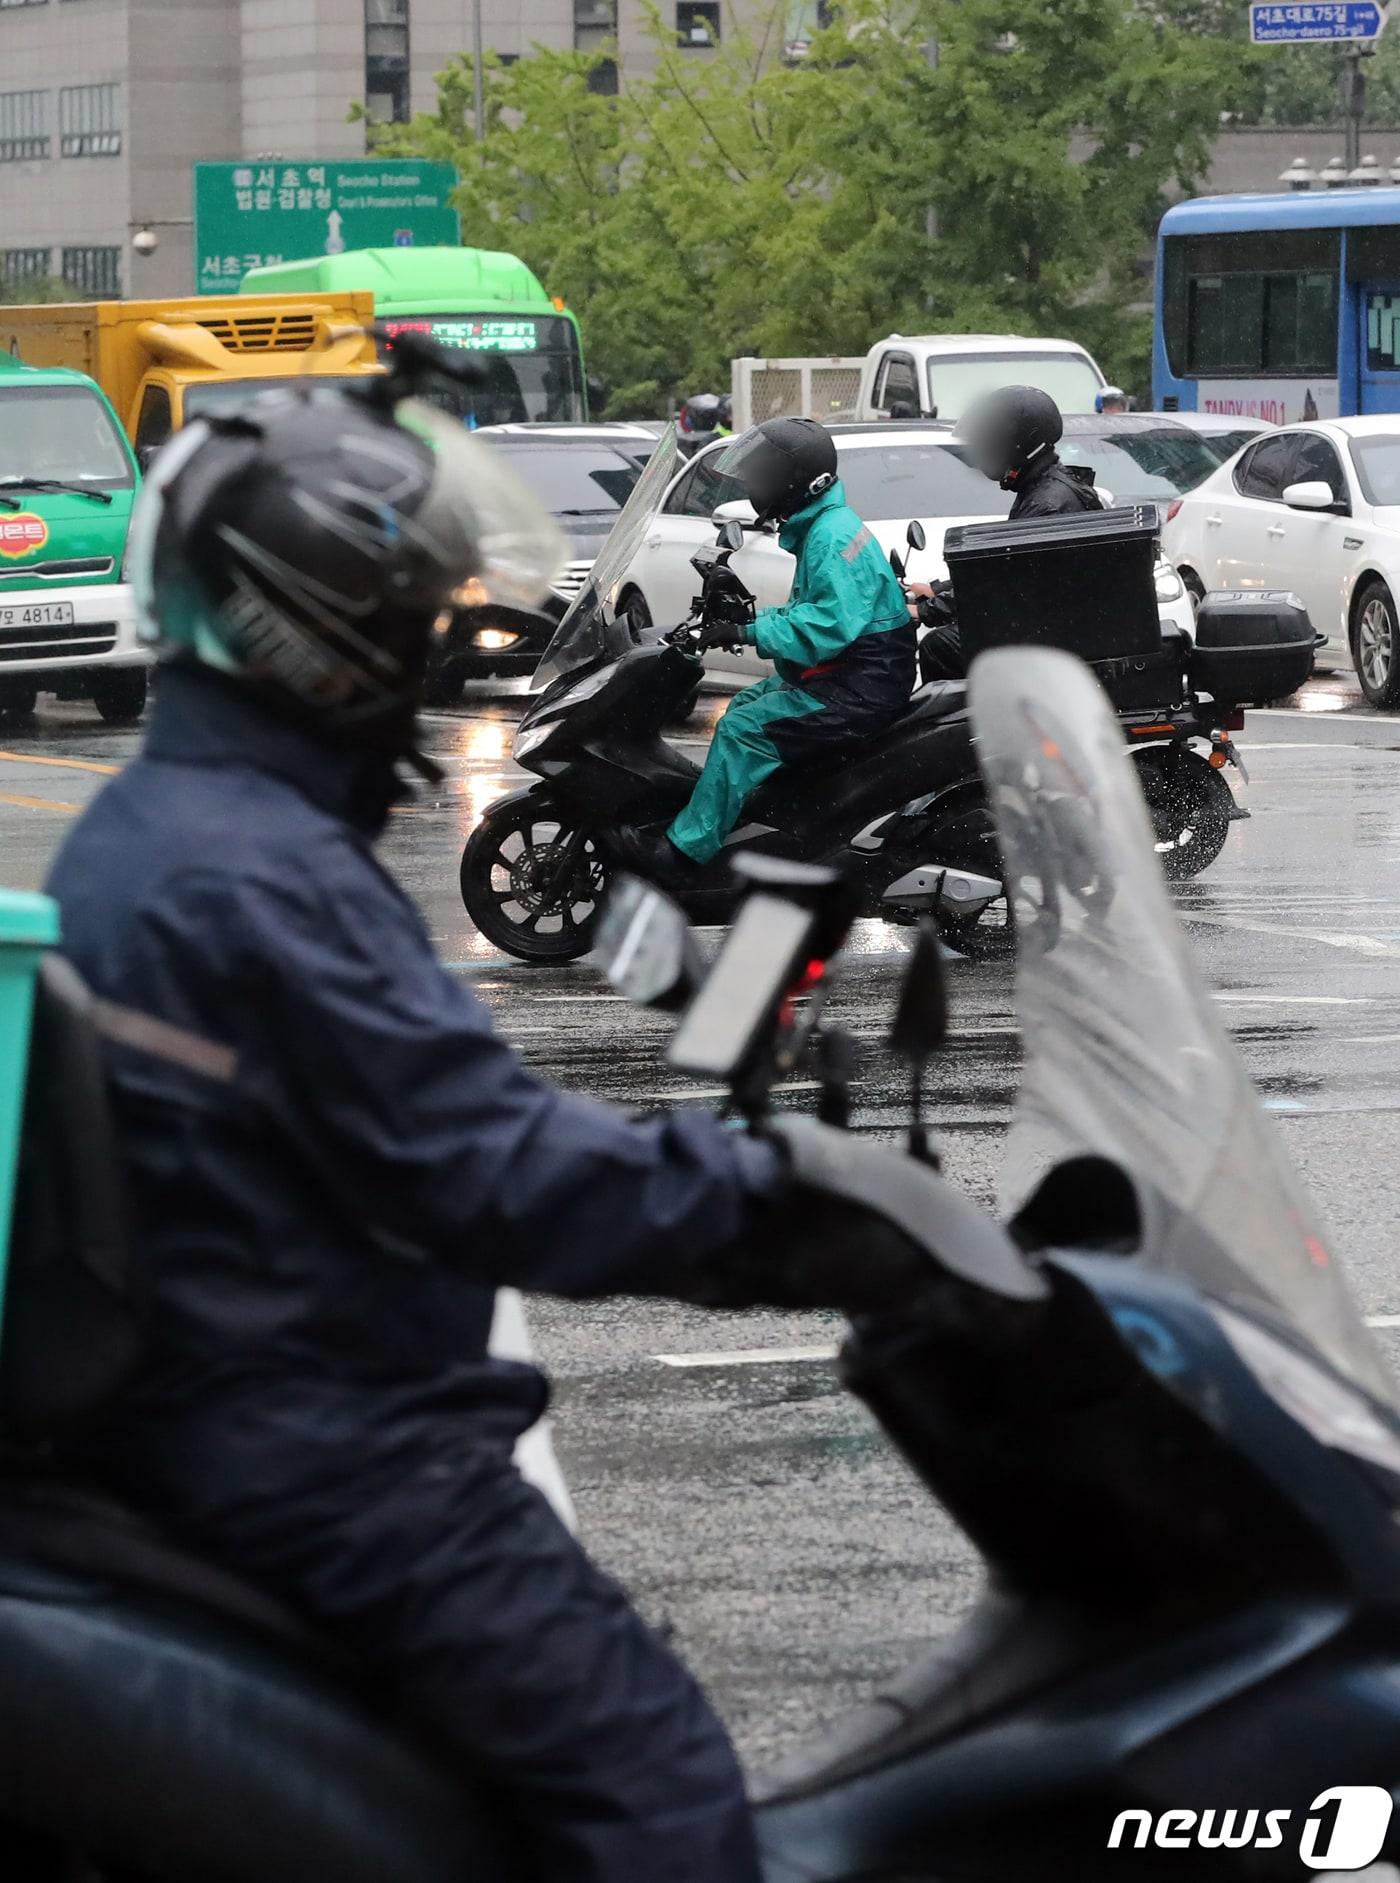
(1294, 1000)
(817, 1356)
(68, 764)
(688, 1095)
(39, 804)
(754, 1356)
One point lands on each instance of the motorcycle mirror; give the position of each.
(649, 953)
(920, 1023)
(915, 536)
(731, 534)
(897, 564)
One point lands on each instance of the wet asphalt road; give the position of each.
(718, 1469)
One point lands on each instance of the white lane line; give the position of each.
(689, 1094)
(1294, 1000)
(816, 1356)
(749, 1356)
(1334, 717)
(1369, 945)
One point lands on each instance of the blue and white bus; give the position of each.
(1279, 307)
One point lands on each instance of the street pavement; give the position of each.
(718, 1468)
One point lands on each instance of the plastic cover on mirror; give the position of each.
(590, 631)
(1124, 1054)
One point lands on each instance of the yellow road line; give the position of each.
(69, 764)
(38, 804)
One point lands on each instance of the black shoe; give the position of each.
(651, 855)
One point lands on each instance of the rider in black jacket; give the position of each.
(1010, 436)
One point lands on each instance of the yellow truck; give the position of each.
(162, 363)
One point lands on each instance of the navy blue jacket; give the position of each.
(325, 1229)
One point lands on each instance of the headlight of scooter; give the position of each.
(532, 739)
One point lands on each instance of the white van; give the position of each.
(939, 375)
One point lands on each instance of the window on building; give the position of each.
(95, 271)
(387, 84)
(21, 264)
(24, 126)
(594, 25)
(88, 121)
(697, 22)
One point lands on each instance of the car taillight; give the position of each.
(1173, 507)
(1233, 722)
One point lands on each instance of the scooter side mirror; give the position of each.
(731, 534)
(915, 536)
(649, 953)
(920, 1023)
(897, 564)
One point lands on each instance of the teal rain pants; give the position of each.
(742, 754)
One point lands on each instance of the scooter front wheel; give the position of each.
(532, 884)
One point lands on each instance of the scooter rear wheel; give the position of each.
(533, 885)
(1190, 805)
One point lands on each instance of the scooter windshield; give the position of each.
(591, 631)
(1124, 1053)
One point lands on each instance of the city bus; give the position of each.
(1279, 307)
(480, 299)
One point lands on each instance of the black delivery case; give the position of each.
(1252, 646)
(1082, 581)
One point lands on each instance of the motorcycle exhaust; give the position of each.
(959, 893)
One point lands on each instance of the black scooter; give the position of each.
(1147, 1398)
(903, 816)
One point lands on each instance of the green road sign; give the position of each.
(246, 214)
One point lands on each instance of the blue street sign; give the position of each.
(1274, 23)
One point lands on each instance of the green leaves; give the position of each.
(732, 204)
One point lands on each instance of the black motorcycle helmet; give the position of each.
(699, 412)
(782, 464)
(1009, 430)
(305, 543)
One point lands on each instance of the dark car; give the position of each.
(583, 475)
(1139, 457)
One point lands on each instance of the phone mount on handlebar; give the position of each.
(743, 1024)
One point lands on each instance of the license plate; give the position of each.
(37, 615)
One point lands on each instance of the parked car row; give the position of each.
(1314, 508)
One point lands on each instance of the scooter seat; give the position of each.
(935, 700)
(165, 1720)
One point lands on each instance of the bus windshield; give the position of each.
(534, 367)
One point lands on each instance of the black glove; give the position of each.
(866, 1229)
(715, 633)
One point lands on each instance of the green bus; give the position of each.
(476, 298)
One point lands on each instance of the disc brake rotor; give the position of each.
(535, 867)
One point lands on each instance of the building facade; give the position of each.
(105, 104)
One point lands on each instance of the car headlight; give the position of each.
(532, 739)
(1168, 583)
(494, 640)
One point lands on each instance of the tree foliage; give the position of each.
(30, 290)
(731, 203)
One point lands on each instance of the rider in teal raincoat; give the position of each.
(843, 643)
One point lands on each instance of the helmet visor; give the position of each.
(765, 471)
(478, 519)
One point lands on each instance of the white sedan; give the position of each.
(893, 474)
(1316, 509)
